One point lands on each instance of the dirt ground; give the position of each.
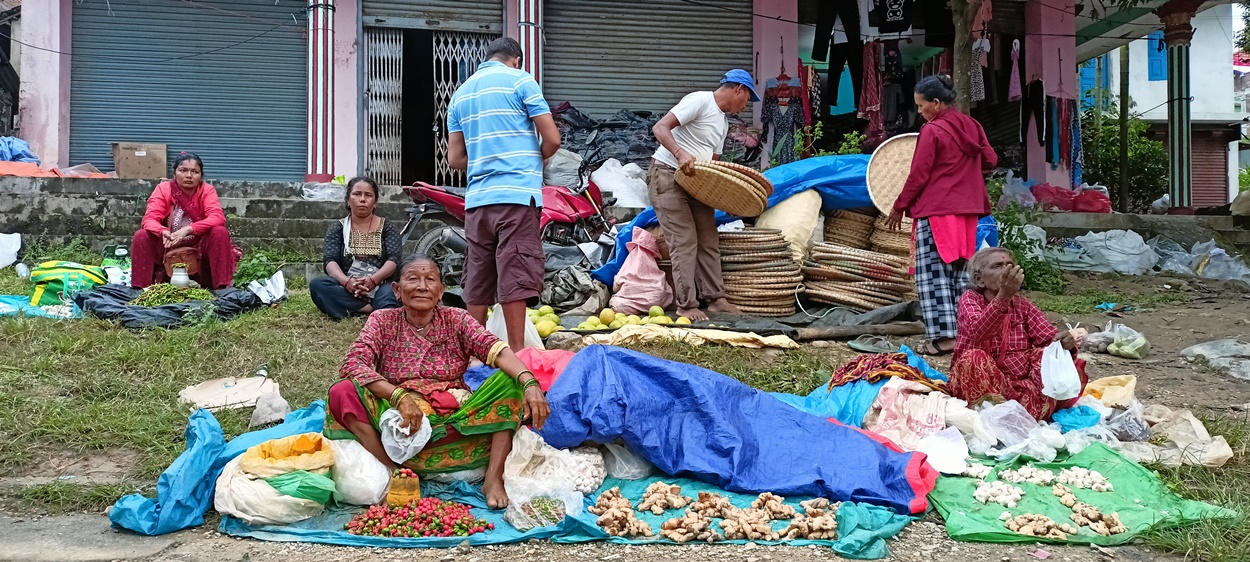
(1212, 311)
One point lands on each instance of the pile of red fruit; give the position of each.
(404, 473)
(427, 517)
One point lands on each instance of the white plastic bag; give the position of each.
(1014, 191)
(1009, 421)
(946, 449)
(9, 245)
(536, 471)
(589, 471)
(359, 478)
(1096, 405)
(255, 502)
(400, 442)
(562, 169)
(1059, 377)
(1125, 250)
(1043, 444)
(628, 184)
(1077, 440)
(323, 192)
(625, 464)
(496, 325)
(969, 423)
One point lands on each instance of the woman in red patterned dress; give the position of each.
(413, 359)
(1001, 336)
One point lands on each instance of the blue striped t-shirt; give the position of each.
(494, 109)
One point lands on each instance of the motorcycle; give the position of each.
(570, 216)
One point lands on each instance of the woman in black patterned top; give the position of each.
(362, 251)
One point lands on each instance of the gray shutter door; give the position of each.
(225, 79)
(605, 55)
(481, 16)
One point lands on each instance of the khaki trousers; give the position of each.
(690, 233)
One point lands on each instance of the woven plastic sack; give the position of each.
(255, 501)
(306, 451)
(641, 284)
(1125, 250)
(796, 218)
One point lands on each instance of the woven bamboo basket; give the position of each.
(721, 188)
(888, 169)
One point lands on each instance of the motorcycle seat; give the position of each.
(457, 191)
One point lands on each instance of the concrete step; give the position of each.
(126, 226)
(311, 248)
(236, 189)
(119, 206)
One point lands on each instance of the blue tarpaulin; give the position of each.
(13, 149)
(185, 490)
(14, 305)
(692, 422)
(841, 181)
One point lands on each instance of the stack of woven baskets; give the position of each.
(855, 278)
(733, 188)
(887, 241)
(848, 228)
(761, 276)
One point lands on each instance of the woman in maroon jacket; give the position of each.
(945, 195)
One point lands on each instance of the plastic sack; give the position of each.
(9, 246)
(1173, 258)
(627, 183)
(255, 501)
(562, 169)
(496, 325)
(1050, 197)
(1091, 201)
(1077, 440)
(1240, 207)
(946, 449)
(1113, 392)
(1129, 424)
(796, 219)
(625, 464)
(270, 408)
(1161, 205)
(1125, 250)
(323, 192)
(1217, 264)
(641, 284)
(969, 423)
(359, 477)
(535, 470)
(1076, 417)
(400, 442)
(1015, 191)
(1043, 444)
(1060, 380)
(306, 451)
(1129, 343)
(1009, 421)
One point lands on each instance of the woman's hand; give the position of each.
(367, 284)
(1013, 279)
(411, 413)
(174, 238)
(1065, 338)
(895, 221)
(534, 406)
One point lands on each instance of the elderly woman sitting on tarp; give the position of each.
(413, 359)
(1001, 336)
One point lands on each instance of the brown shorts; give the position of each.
(505, 261)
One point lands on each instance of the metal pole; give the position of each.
(1122, 192)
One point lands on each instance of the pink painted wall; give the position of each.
(511, 18)
(348, 92)
(770, 36)
(1049, 54)
(44, 93)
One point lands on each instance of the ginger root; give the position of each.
(819, 527)
(818, 506)
(1034, 525)
(1104, 524)
(711, 504)
(749, 524)
(616, 516)
(691, 527)
(661, 497)
(1065, 495)
(773, 505)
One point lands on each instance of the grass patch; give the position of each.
(1087, 302)
(66, 497)
(1212, 540)
(794, 371)
(41, 249)
(11, 284)
(89, 385)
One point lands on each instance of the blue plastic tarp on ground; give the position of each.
(185, 490)
(847, 403)
(692, 422)
(14, 305)
(841, 181)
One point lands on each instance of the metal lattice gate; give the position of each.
(384, 72)
(456, 57)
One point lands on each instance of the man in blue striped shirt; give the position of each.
(500, 130)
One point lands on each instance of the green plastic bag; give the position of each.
(304, 485)
(969, 520)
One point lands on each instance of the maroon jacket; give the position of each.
(946, 172)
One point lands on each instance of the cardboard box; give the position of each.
(134, 160)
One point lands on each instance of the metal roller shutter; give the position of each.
(481, 16)
(1210, 172)
(603, 55)
(225, 79)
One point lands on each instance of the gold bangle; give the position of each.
(493, 355)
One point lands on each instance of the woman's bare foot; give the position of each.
(723, 306)
(492, 488)
(694, 314)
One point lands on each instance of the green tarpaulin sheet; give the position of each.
(1139, 497)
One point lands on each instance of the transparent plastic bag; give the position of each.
(1009, 421)
(1129, 343)
(1077, 440)
(1173, 258)
(1130, 424)
(535, 470)
(1015, 191)
(623, 463)
(401, 443)
(1042, 444)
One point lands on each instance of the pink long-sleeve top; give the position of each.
(161, 205)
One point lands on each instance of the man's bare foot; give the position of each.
(496, 496)
(694, 314)
(723, 306)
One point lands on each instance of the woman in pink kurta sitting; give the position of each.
(1001, 336)
(183, 214)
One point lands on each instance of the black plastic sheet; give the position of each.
(112, 302)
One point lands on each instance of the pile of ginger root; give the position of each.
(661, 497)
(616, 516)
(819, 521)
(690, 527)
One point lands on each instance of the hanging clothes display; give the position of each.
(892, 89)
(1078, 153)
(1033, 105)
(783, 113)
(1013, 81)
(871, 107)
(891, 16)
(1052, 132)
(980, 22)
(980, 48)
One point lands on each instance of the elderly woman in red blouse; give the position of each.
(183, 218)
(998, 352)
(413, 359)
